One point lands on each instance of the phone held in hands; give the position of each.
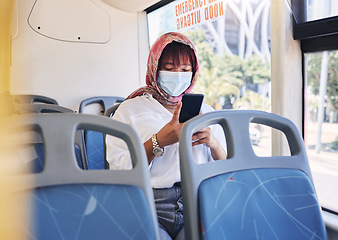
(191, 106)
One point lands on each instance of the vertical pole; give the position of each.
(322, 94)
(286, 73)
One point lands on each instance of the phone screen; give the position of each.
(191, 106)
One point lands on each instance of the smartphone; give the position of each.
(191, 106)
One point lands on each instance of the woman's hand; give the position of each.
(170, 133)
(205, 136)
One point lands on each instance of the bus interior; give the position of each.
(66, 65)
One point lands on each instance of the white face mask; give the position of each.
(174, 83)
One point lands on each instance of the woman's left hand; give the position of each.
(205, 136)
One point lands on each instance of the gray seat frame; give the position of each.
(43, 108)
(58, 131)
(104, 101)
(31, 98)
(240, 154)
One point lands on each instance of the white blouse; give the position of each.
(147, 116)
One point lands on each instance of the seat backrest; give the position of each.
(94, 140)
(25, 108)
(110, 111)
(247, 196)
(104, 101)
(37, 164)
(29, 98)
(69, 203)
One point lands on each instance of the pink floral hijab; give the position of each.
(153, 86)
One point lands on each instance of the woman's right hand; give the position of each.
(170, 133)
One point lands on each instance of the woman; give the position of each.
(154, 112)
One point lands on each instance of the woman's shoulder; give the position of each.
(139, 103)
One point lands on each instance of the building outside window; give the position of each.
(232, 39)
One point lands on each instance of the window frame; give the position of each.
(314, 36)
(157, 5)
(317, 35)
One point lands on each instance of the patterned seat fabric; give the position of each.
(95, 150)
(260, 204)
(91, 211)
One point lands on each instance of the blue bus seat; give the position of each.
(66, 202)
(37, 164)
(31, 98)
(94, 141)
(246, 196)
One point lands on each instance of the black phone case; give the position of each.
(191, 106)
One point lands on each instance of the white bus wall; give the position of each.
(48, 58)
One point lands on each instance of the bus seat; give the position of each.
(104, 101)
(246, 196)
(110, 111)
(66, 202)
(37, 164)
(29, 98)
(94, 141)
(25, 108)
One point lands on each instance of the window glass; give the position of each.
(260, 136)
(321, 124)
(317, 9)
(232, 39)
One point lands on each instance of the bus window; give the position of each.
(321, 124)
(318, 9)
(260, 136)
(232, 39)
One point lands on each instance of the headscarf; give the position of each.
(153, 86)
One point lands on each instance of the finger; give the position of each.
(198, 135)
(201, 133)
(177, 111)
(206, 129)
(198, 142)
